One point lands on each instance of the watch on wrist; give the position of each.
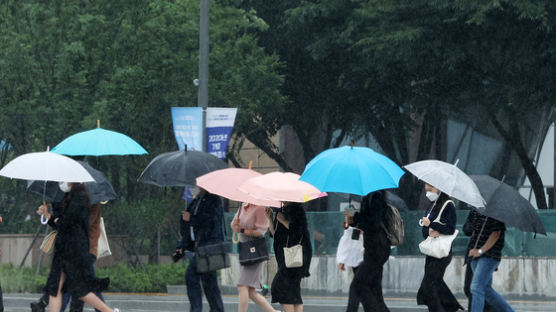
(242, 230)
(480, 251)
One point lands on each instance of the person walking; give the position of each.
(251, 223)
(468, 231)
(350, 254)
(434, 293)
(95, 212)
(289, 227)
(70, 271)
(367, 282)
(202, 224)
(485, 252)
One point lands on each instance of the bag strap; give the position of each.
(441, 211)
(480, 233)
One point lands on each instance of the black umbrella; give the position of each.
(180, 168)
(505, 204)
(99, 191)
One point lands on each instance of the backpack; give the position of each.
(394, 226)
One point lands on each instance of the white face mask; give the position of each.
(64, 187)
(432, 196)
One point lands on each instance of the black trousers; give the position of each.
(467, 289)
(434, 293)
(367, 285)
(353, 301)
(1, 300)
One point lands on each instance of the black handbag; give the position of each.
(213, 257)
(253, 251)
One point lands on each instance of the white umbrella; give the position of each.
(46, 166)
(449, 179)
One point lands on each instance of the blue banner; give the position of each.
(188, 127)
(220, 123)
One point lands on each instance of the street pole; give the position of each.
(204, 65)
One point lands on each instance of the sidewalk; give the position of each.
(167, 303)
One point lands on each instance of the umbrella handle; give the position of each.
(346, 226)
(235, 238)
(44, 220)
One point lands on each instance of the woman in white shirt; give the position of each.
(350, 254)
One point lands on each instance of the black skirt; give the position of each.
(434, 293)
(286, 288)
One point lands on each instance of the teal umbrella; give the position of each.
(352, 170)
(99, 142)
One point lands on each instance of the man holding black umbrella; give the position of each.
(485, 253)
(203, 226)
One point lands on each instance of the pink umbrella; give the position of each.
(281, 186)
(224, 182)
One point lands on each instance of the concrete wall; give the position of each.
(14, 247)
(516, 276)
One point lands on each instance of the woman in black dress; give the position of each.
(70, 271)
(434, 293)
(289, 228)
(367, 282)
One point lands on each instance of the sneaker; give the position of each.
(116, 310)
(264, 290)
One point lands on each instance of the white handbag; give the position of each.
(293, 256)
(438, 247)
(103, 247)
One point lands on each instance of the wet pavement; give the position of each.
(166, 303)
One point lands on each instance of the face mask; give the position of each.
(432, 196)
(64, 187)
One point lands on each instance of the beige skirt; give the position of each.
(250, 275)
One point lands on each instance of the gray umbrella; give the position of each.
(99, 191)
(180, 168)
(505, 204)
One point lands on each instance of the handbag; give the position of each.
(293, 256)
(213, 257)
(48, 242)
(438, 247)
(103, 248)
(253, 251)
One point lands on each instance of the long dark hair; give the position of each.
(76, 188)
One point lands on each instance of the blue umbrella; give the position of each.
(353, 170)
(99, 142)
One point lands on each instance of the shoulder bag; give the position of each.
(48, 242)
(438, 247)
(293, 256)
(103, 248)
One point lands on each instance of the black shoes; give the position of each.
(37, 307)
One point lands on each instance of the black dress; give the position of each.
(367, 282)
(434, 293)
(71, 248)
(286, 285)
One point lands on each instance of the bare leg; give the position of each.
(243, 303)
(56, 302)
(298, 308)
(288, 307)
(94, 301)
(260, 300)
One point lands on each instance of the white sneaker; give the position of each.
(116, 310)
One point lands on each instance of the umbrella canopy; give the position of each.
(354, 170)
(449, 179)
(505, 204)
(225, 182)
(99, 142)
(46, 166)
(280, 186)
(99, 191)
(180, 168)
